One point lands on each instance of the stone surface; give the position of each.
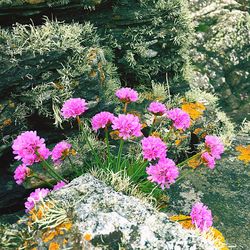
(225, 191)
(150, 39)
(221, 52)
(115, 220)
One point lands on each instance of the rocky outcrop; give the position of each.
(105, 219)
(92, 51)
(224, 190)
(221, 52)
(150, 38)
(82, 48)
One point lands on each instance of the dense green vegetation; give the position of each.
(177, 52)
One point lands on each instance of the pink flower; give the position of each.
(27, 145)
(73, 108)
(127, 125)
(20, 173)
(215, 146)
(102, 120)
(34, 197)
(208, 160)
(157, 108)
(60, 151)
(181, 119)
(201, 216)
(153, 148)
(43, 152)
(59, 185)
(163, 173)
(127, 95)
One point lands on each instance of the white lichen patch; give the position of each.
(114, 219)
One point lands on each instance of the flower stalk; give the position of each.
(125, 107)
(107, 143)
(88, 142)
(169, 133)
(51, 170)
(189, 159)
(119, 155)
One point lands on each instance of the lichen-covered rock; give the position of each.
(43, 66)
(133, 42)
(40, 68)
(221, 52)
(224, 190)
(150, 38)
(26, 3)
(129, 41)
(94, 45)
(106, 219)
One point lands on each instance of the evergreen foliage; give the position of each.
(85, 3)
(43, 66)
(150, 38)
(135, 42)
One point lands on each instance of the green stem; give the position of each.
(108, 147)
(187, 160)
(50, 173)
(41, 179)
(58, 176)
(87, 140)
(119, 155)
(125, 108)
(85, 162)
(143, 165)
(91, 147)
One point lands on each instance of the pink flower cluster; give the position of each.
(214, 150)
(59, 151)
(127, 125)
(30, 148)
(59, 185)
(34, 197)
(73, 108)
(127, 95)
(164, 173)
(21, 173)
(201, 216)
(157, 108)
(39, 194)
(153, 148)
(208, 160)
(102, 120)
(215, 146)
(181, 119)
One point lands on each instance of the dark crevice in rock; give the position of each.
(113, 240)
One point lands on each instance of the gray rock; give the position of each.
(221, 52)
(117, 221)
(225, 191)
